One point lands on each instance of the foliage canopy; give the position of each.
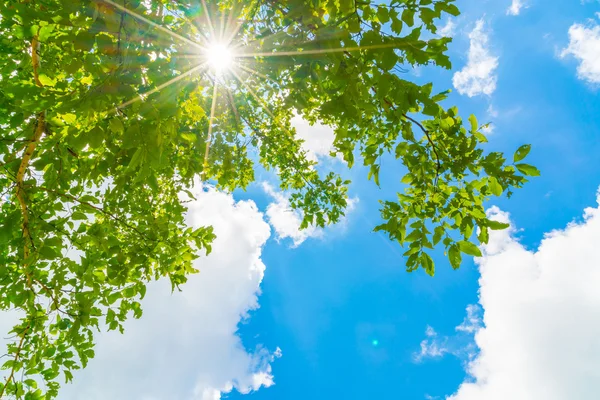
(110, 111)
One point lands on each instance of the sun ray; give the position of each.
(222, 26)
(162, 86)
(154, 24)
(193, 25)
(238, 119)
(190, 56)
(255, 72)
(231, 102)
(240, 24)
(230, 20)
(256, 97)
(210, 126)
(317, 51)
(208, 20)
(253, 41)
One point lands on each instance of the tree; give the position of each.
(110, 111)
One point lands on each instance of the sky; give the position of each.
(278, 313)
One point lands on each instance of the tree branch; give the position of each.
(39, 130)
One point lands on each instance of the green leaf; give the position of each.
(116, 126)
(382, 14)
(413, 236)
(496, 225)
(79, 216)
(454, 256)
(451, 9)
(190, 137)
(48, 253)
(136, 159)
(46, 80)
(469, 248)
(45, 32)
(396, 25)
(428, 264)
(437, 234)
(388, 59)
(521, 152)
(495, 187)
(474, 123)
(7, 227)
(31, 383)
(483, 235)
(528, 170)
(96, 137)
(408, 16)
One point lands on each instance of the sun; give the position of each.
(219, 57)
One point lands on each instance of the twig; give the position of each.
(15, 359)
(425, 131)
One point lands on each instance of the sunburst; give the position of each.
(220, 57)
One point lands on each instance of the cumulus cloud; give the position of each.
(541, 338)
(318, 138)
(515, 7)
(186, 344)
(478, 76)
(584, 45)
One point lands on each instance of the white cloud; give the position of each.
(286, 221)
(318, 138)
(515, 7)
(448, 29)
(478, 76)
(459, 345)
(488, 128)
(186, 346)
(584, 45)
(541, 338)
(472, 322)
(431, 346)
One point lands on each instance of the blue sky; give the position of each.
(325, 302)
(277, 314)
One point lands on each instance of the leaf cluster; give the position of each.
(105, 120)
